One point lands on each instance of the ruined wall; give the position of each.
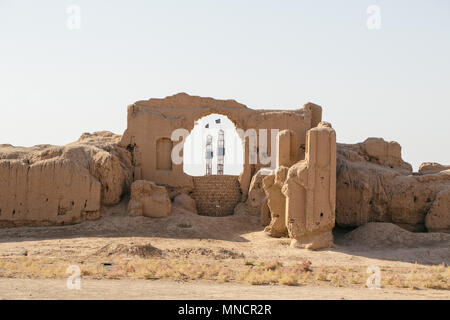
(216, 195)
(375, 185)
(302, 196)
(310, 191)
(256, 203)
(50, 192)
(276, 202)
(163, 154)
(155, 119)
(47, 185)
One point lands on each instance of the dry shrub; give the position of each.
(322, 274)
(356, 279)
(260, 277)
(304, 266)
(288, 280)
(249, 263)
(258, 273)
(337, 279)
(273, 265)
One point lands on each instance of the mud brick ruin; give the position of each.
(313, 185)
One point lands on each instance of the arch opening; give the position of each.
(213, 148)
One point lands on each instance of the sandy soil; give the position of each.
(230, 241)
(205, 290)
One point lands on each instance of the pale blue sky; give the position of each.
(394, 82)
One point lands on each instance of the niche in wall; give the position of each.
(163, 154)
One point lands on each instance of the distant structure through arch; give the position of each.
(204, 148)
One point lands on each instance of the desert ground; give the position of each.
(187, 256)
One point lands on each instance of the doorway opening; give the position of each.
(213, 148)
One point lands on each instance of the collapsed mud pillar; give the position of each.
(287, 153)
(276, 202)
(310, 191)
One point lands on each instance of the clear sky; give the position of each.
(392, 82)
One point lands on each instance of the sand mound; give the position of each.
(142, 251)
(388, 235)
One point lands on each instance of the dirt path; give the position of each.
(147, 289)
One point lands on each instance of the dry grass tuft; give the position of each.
(288, 280)
(272, 265)
(304, 266)
(261, 273)
(249, 263)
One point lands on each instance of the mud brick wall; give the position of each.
(216, 195)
